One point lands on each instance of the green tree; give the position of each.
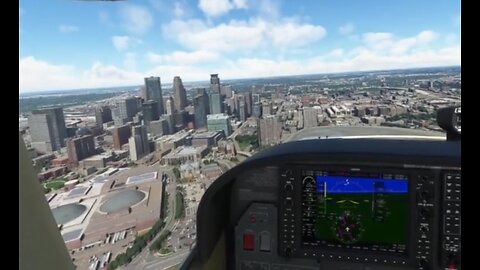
(176, 172)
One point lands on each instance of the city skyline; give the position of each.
(121, 167)
(118, 44)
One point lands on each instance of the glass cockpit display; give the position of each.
(357, 211)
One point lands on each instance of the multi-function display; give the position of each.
(367, 211)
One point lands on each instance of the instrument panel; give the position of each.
(383, 218)
(355, 204)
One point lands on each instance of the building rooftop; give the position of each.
(205, 135)
(175, 137)
(219, 116)
(185, 151)
(102, 156)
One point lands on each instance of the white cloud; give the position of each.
(136, 19)
(130, 61)
(178, 9)
(242, 35)
(182, 58)
(451, 39)
(254, 67)
(294, 34)
(426, 36)
(240, 3)
(37, 75)
(159, 5)
(346, 29)
(123, 43)
(378, 40)
(120, 42)
(40, 75)
(335, 53)
(268, 8)
(387, 42)
(378, 51)
(214, 8)
(105, 18)
(68, 28)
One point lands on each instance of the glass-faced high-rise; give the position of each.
(47, 129)
(180, 94)
(153, 91)
(200, 110)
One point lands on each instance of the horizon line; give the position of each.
(261, 77)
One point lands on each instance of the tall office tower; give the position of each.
(267, 108)
(242, 111)
(80, 148)
(120, 136)
(169, 118)
(214, 83)
(118, 121)
(256, 98)
(179, 120)
(248, 103)
(180, 94)
(241, 108)
(47, 129)
(202, 92)
(154, 92)
(127, 108)
(139, 103)
(215, 103)
(216, 122)
(138, 143)
(150, 111)
(200, 112)
(159, 127)
(103, 114)
(231, 105)
(257, 110)
(310, 116)
(226, 91)
(170, 106)
(143, 92)
(269, 130)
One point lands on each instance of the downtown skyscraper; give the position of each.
(200, 105)
(214, 83)
(47, 129)
(153, 91)
(180, 94)
(215, 96)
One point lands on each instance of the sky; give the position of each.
(72, 44)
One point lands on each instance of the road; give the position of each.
(245, 154)
(237, 146)
(167, 262)
(145, 257)
(225, 165)
(234, 134)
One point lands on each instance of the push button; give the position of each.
(265, 242)
(248, 242)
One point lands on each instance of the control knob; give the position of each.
(288, 187)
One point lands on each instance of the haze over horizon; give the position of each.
(207, 81)
(77, 44)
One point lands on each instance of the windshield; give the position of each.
(130, 110)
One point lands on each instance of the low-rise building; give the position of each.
(208, 139)
(185, 154)
(211, 171)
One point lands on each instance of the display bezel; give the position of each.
(356, 174)
(326, 252)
